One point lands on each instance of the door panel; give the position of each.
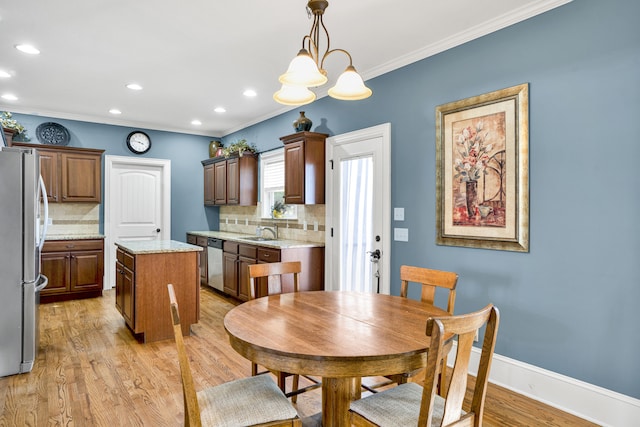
(137, 204)
(359, 210)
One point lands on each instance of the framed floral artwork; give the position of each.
(482, 171)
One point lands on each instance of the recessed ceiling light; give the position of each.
(220, 110)
(9, 97)
(4, 74)
(196, 122)
(250, 93)
(134, 86)
(27, 48)
(115, 111)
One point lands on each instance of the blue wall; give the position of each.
(185, 152)
(570, 304)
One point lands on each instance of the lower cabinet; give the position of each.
(75, 269)
(238, 256)
(141, 291)
(201, 241)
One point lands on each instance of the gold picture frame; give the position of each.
(482, 171)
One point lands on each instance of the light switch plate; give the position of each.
(398, 214)
(401, 234)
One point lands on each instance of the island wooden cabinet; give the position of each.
(70, 174)
(238, 256)
(232, 181)
(75, 269)
(304, 166)
(141, 290)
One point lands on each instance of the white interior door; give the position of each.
(358, 210)
(137, 204)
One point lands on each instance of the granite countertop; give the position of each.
(157, 246)
(249, 238)
(73, 236)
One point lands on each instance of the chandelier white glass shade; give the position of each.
(294, 95)
(307, 68)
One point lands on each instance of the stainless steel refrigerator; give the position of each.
(21, 239)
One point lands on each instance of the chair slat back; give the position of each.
(464, 327)
(191, 407)
(430, 280)
(273, 271)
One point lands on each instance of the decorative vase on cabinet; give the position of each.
(303, 123)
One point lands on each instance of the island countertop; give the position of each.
(156, 246)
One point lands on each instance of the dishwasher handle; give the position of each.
(212, 242)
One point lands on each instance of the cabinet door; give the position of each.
(294, 173)
(128, 298)
(81, 177)
(220, 189)
(49, 173)
(233, 182)
(209, 185)
(230, 275)
(86, 271)
(119, 287)
(55, 265)
(243, 277)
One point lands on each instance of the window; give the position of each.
(272, 187)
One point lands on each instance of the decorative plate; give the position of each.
(52, 134)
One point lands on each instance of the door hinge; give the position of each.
(331, 231)
(331, 161)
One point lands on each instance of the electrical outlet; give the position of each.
(476, 338)
(246, 221)
(304, 225)
(315, 225)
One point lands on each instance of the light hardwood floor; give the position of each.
(90, 371)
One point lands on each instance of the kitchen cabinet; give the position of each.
(70, 174)
(209, 185)
(201, 241)
(141, 290)
(304, 168)
(237, 256)
(75, 269)
(232, 181)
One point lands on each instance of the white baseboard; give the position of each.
(587, 401)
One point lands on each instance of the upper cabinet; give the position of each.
(232, 181)
(304, 166)
(70, 174)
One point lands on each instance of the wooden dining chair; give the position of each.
(430, 280)
(410, 404)
(273, 273)
(253, 401)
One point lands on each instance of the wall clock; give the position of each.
(138, 142)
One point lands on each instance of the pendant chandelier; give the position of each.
(307, 68)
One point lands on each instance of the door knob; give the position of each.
(157, 230)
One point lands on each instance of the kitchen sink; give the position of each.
(258, 239)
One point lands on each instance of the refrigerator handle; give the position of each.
(44, 281)
(46, 213)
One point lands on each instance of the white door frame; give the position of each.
(109, 162)
(382, 131)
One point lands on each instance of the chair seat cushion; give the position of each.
(244, 402)
(397, 406)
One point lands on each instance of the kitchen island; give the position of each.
(143, 270)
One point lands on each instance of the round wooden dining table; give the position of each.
(339, 336)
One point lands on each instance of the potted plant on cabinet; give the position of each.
(241, 146)
(10, 127)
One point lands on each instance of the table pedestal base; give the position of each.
(337, 393)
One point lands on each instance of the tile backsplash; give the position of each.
(74, 218)
(245, 219)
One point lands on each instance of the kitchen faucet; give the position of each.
(273, 230)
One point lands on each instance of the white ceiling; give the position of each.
(192, 56)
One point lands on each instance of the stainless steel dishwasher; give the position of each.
(214, 262)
